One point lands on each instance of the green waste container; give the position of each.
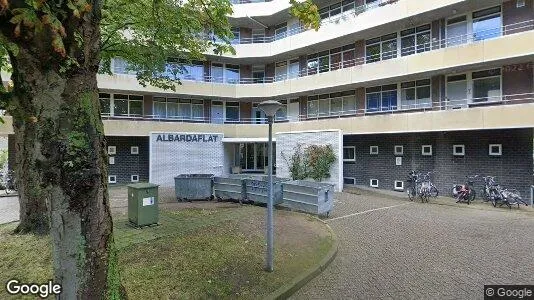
(143, 204)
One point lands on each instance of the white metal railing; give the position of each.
(403, 107)
(435, 44)
(343, 15)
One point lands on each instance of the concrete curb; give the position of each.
(294, 285)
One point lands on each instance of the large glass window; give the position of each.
(384, 47)
(231, 73)
(457, 31)
(415, 40)
(324, 105)
(258, 73)
(313, 64)
(389, 46)
(349, 102)
(197, 109)
(381, 98)
(232, 111)
(280, 70)
(281, 114)
(105, 104)
(236, 33)
(324, 62)
(334, 104)
(487, 85)
(294, 67)
(372, 50)
(457, 89)
(217, 72)
(258, 35)
(127, 105)
(173, 110)
(184, 109)
(313, 106)
(487, 23)
(160, 107)
(280, 31)
(415, 94)
(348, 56)
(121, 66)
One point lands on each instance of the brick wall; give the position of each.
(513, 169)
(127, 164)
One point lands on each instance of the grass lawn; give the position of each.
(194, 253)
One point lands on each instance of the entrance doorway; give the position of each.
(253, 157)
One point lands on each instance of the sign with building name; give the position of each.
(197, 138)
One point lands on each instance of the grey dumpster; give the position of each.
(256, 191)
(307, 196)
(228, 188)
(193, 186)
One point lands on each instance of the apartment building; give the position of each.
(394, 85)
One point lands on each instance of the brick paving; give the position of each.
(423, 251)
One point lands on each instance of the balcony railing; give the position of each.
(342, 16)
(456, 41)
(446, 104)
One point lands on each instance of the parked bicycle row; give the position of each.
(420, 185)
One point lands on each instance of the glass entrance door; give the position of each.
(253, 157)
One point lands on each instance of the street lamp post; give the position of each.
(269, 108)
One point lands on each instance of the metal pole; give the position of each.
(270, 233)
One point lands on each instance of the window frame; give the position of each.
(456, 153)
(114, 179)
(111, 160)
(426, 153)
(398, 153)
(396, 188)
(134, 150)
(353, 149)
(373, 185)
(371, 152)
(349, 178)
(132, 178)
(491, 153)
(112, 150)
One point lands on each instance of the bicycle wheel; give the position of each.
(472, 195)
(411, 193)
(434, 192)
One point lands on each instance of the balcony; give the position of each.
(459, 53)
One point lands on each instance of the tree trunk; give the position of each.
(59, 113)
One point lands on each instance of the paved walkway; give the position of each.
(391, 248)
(9, 209)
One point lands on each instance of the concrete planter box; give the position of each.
(256, 191)
(308, 196)
(228, 188)
(193, 186)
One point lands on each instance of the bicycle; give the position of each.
(465, 192)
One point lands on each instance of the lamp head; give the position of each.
(269, 107)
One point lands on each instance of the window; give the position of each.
(134, 150)
(111, 160)
(280, 71)
(120, 66)
(348, 55)
(112, 150)
(426, 150)
(373, 183)
(457, 89)
(381, 48)
(399, 185)
(373, 150)
(232, 111)
(280, 31)
(348, 5)
(456, 31)
(105, 104)
(294, 67)
(324, 62)
(258, 73)
(415, 40)
(231, 73)
(487, 23)
(520, 3)
(281, 114)
(381, 98)
(193, 71)
(235, 32)
(487, 85)
(183, 109)
(127, 105)
(349, 180)
(349, 154)
(334, 104)
(399, 150)
(134, 178)
(258, 35)
(112, 179)
(313, 106)
(415, 94)
(495, 149)
(458, 150)
(312, 64)
(217, 72)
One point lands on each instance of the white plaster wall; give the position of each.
(171, 158)
(286, 143)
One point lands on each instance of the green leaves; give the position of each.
(307, 12)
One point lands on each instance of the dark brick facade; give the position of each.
(513, 169)
(127, 164)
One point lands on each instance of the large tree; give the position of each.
(55, 49)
